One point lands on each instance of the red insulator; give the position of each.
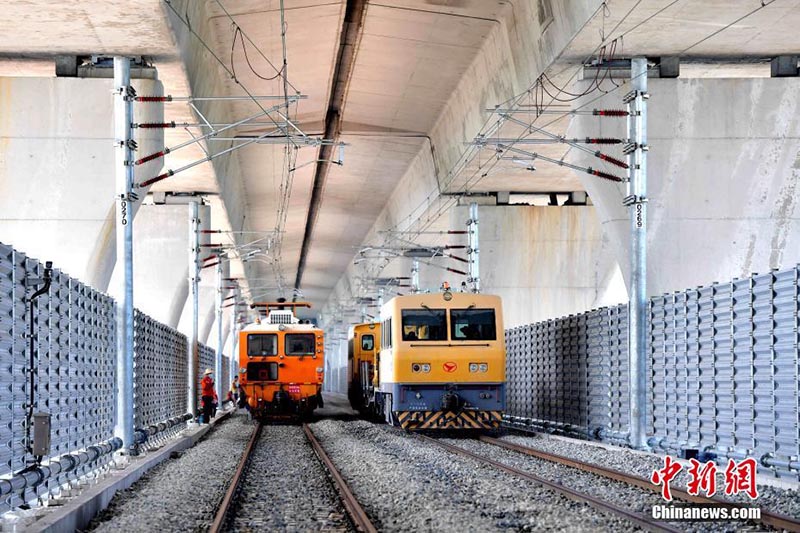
(167, 98)
(613, 160)
(604, 175)
(453, 270)
(158, 178)
(155, 125)
(458, 258)
(210, 231)
(602, 140)
(610, 112)
(150, 157)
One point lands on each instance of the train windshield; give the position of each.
(367, 343)
(300, 344)
(472, 325)
(424, 324)
(260, 345)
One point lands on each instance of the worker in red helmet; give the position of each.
(208, 395)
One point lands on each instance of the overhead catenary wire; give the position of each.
(413, 217)
(284, 125)
(221, 63)
(638, 25)
(464, 158)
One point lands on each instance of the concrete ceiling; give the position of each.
(411, 56)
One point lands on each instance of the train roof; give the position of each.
(275, 328)
(440, 298)
(362, 325)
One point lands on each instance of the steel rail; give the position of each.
(227, 500)
(601, 505)
(770, 518)
(351, 504)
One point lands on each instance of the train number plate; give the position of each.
(294, 389)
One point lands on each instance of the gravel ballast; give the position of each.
(615, 492)
(285, 488)
(784, 501)
(406, 484)
(181, 494)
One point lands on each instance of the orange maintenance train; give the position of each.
(281, 364)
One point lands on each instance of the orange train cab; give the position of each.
(281, 364)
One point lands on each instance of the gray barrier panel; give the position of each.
(723, 369)
(75, 340)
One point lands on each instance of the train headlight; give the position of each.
(426, 367)
(473, 367)
(320, 370)
(243, 371)
(483, 367)
(416, 367)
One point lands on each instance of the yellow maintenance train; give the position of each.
(439, 362)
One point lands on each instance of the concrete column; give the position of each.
(564, 267)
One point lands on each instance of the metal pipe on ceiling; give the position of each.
(348, 47)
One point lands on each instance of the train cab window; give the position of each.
(424, 324)
(300, 343)
(367, 343)
(262, 371)
(261, 345)
(472, 325)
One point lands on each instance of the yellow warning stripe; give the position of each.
(449, 420)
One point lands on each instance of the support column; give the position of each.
(123, 117)
(218, 357)
(234, 334)
(415, 276)
(193, 354)
(474, 259)
(637, 202)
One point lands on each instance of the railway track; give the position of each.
(232, 504)
(769, 518)
(638, 519)
(227, 500)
